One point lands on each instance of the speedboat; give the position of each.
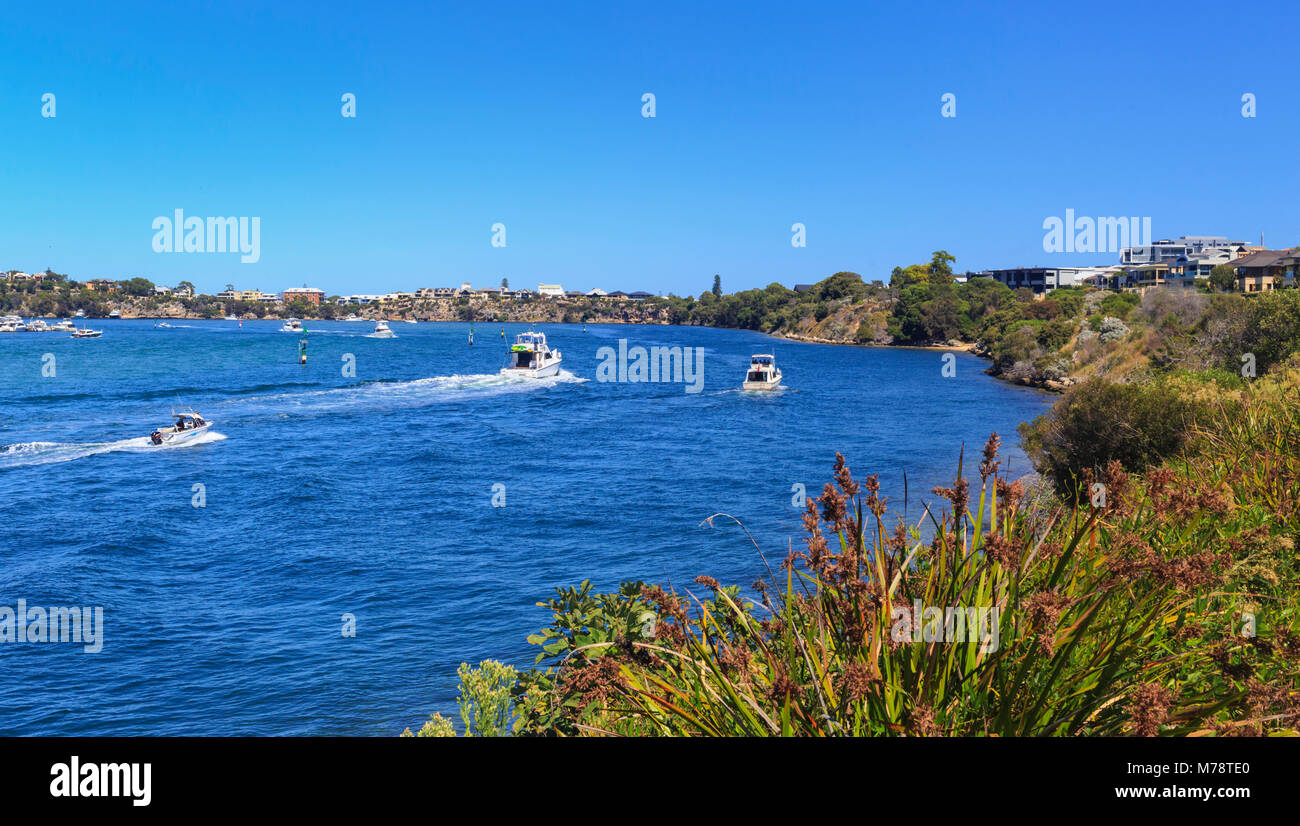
(763, 373)
(81, 314)
(115, 314)
(293, 325)
(231, 318)
(189, 425)
(531, 357)
(382, 331)
(410, 321)
(163, 324)
(353, 317)
(85, 332)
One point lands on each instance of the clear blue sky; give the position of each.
(767, 114)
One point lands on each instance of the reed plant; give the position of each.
(1157, 605)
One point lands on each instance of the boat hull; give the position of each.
(551, 369)
(173, 438)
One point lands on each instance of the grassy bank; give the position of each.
(1153, 592)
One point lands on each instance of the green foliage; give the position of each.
(485, 698)
(1099, 422)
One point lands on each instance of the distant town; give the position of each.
(1191, 261)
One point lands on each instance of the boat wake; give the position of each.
(45, 453)
(414, 393)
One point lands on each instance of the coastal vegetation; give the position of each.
(1156, 603)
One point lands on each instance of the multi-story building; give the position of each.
(1043, 279)
(1168, 249)
(1266, 270)
(309, 294)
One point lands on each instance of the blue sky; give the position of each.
(767, 114)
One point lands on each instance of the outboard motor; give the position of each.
(156, 437)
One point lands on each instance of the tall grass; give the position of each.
(1121, 614)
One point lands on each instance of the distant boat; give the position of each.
(63, 325)
(85, 332)
(531, 356)
(410, 321)
(231, 318)
(81, 314)
(353, 317)
(162, 324)
(292, 325)
(763, 373)
(382, 331)
(115, 314)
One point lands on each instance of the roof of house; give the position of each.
(1265, 258)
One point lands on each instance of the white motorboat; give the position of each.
(63, 325)
(81, 314)
(11, 324)
(382, 331)
(86, 332)
(231, 318)
(189, 425)
(530, 356)
(410, 321)
(36, 325)
(115, 314)
(763, 373)
(292, 325)
(353, 317)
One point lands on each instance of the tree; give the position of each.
(505, 283)
(941, 267)
(717, 285)
(1223, 278)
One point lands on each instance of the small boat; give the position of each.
(188, 426)
(292, 325)
(382, 331)
(162, 324)
(36, 325)
(115, 314)
(85, 332)
(353, 317)
(763, 373)
(81, 314)
(11, 324)
(530, 356)
(231, 318)
(63, 325)
(410, 321)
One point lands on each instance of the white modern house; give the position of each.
(550, 290)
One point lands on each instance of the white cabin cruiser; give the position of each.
(189, 425)
(81, 313)
(86, 332)
(36, 325)
(763, 373)
(530, 356)
(292, 325)
(11, 324)
(353, 317)
(382, 331)
(115, 314)
(63, 325)
(231, 318)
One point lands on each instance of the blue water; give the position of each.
(372, 495)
